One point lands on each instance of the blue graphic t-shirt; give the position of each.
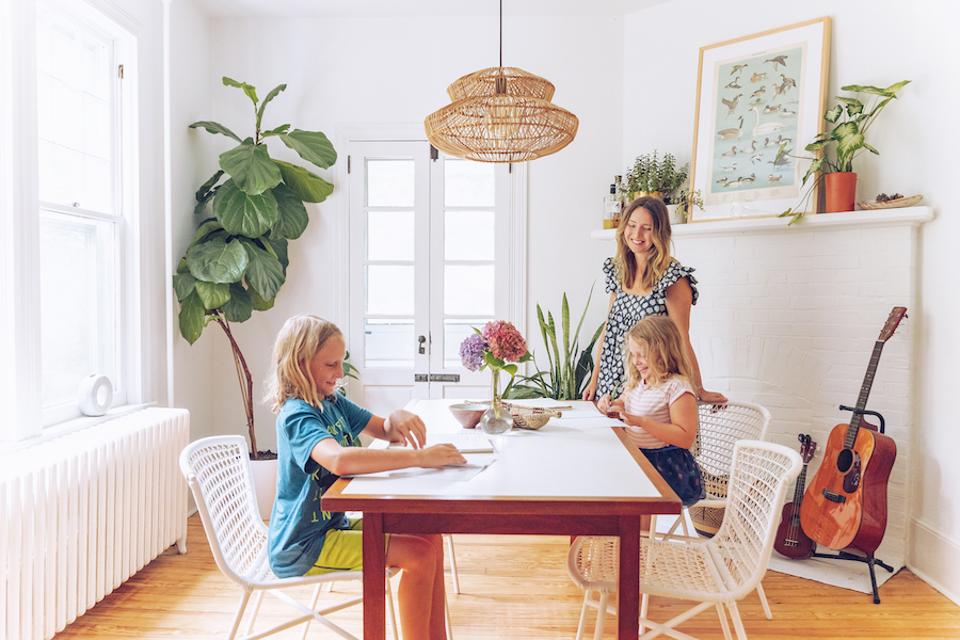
(297, 525)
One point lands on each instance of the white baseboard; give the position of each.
(935, 559)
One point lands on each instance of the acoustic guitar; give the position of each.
(846, 503)
(791, 541)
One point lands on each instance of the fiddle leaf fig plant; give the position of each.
(251, 208)
(849, 119)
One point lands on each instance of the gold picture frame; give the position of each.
(760, 99)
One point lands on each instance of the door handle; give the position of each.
(421, 341)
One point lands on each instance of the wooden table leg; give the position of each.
(628, 624)
(374, 570)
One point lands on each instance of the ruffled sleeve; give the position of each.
(610, 275)
(675, 272)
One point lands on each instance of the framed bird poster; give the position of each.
(760, 100)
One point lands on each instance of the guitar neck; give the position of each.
(865, 388)
(800, 486)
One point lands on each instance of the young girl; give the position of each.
(659, 405)
(318, 441)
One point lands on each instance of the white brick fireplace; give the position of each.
(788, 317)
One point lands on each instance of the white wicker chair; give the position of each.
(716, 572)
(217, 470)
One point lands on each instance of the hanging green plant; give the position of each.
(237, 261)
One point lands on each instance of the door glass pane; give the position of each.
(468, 184)
(454, 331)
(468, 290)
(389, 343)
(78, 304)
(390, 183)
(468, 235)
(390, 289)
(390, 235)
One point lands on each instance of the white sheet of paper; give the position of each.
(476, 462)
(472, 441)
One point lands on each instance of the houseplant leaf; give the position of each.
(260, 304)
(213, 294)
(876, 91)
(251, 168)
(243, 214)
(279, 246)
(214, 127)
(191, 318)
(248, 89)
(854, 106)
(833, 114)
(206, 228)
(240, 307)
(263, 105)
(308, 186)
(849, 140)
(291, 214)
(217, 261)
(275, 131)
(312, 146)
(183, 285)
(264, 271)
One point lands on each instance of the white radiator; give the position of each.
(82, 513)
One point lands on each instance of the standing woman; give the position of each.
(644, 280)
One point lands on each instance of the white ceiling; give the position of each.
(412, 8)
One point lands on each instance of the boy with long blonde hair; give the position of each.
(659, 405)
(318, 441)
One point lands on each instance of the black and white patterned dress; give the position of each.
(627, 310)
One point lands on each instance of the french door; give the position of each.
(431, 257)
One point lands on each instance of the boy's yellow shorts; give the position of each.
(343, 549)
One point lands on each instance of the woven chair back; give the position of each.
(720, 429)
(761, 474)
(217, 470)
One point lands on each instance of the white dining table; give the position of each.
(577, 475)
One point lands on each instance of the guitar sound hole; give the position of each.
(844, 460)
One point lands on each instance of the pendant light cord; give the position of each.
(501, 34)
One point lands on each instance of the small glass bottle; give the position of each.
(611, 208)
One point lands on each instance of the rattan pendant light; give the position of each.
(501, 114)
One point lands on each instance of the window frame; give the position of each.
(22, 212)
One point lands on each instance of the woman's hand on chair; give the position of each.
(713, 397)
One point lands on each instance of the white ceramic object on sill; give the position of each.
(264, 485)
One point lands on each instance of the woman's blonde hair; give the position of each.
(658, 258)
(665, 356)
(298, 341)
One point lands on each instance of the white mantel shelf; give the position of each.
(907, 216)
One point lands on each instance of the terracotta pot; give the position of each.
(841, 191)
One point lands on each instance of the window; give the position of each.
(74, 222)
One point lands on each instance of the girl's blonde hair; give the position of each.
(298, 341)
(658, 258)
(665, 356)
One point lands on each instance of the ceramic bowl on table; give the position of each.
(468, 413)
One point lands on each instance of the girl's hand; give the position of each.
(604, 403)
(407, 428)
(618, 406)
(713, 397)
(591, 390)
(440, 455)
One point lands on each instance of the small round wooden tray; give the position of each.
(906, 201)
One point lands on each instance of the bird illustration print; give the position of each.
(731, 133)
(737, 68)
(733, 84)
(758, 77)
(785, 85)
(731, 103)
(777, 60)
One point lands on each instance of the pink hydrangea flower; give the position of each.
(505, 341)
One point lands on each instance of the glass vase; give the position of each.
(496, 419)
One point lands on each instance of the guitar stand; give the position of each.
(869, 560)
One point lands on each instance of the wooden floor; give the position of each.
(516, 588)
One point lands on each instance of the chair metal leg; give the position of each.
(257, 601)
(644, 606)
(737, 622)
(313, 607)
(452, 556)
(240, 610)
(601, 614)
(722, 615)
(763, 601)
(392, 609)
(446, 615)
(582, 623)
(683, 521)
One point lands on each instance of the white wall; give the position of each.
(348, 71)
(193, 159)
(873, 43)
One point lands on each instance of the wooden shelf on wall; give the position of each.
(881, 217)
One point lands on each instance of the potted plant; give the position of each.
(237, 261)
(849, 120)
